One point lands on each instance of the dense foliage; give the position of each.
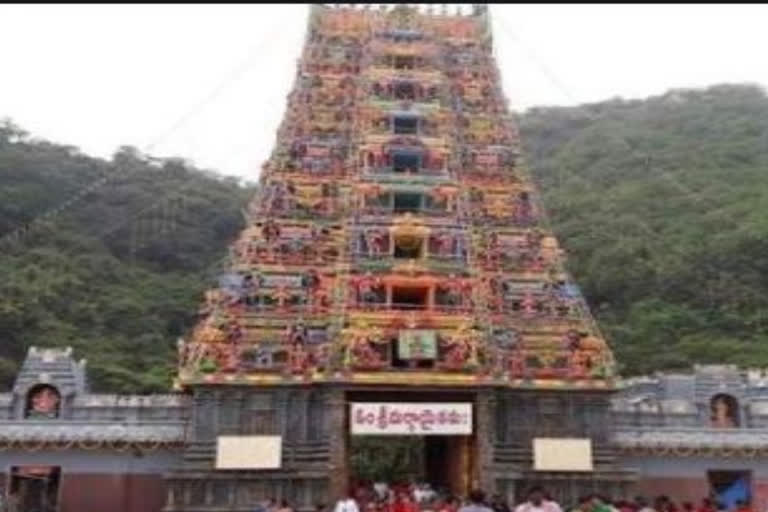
(119, 273)
(377, 458)
(661, 204)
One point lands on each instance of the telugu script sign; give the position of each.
(411, 419)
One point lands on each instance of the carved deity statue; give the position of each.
(270, 231)
(516, 363)
(528, 304)
(444, 243)
(376, 240)
(43, 403)
(723, 415)
(229, 357)
(579, 363)
(299, 359)
(523, 209)
(367, 287)
(454, 290)
(463, 348)
(358, 345)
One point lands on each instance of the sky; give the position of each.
(208, 82)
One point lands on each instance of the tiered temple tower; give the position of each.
(396, 252)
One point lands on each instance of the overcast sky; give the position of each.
(209, 82)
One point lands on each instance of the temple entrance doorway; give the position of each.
(36, 488)
(406, 439)
(730, 487)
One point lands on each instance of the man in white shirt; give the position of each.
(476, 503)
(417, 493)
(346, 504)
(537, 502)
(642, 505)
(423, 493)
(428, 493)
(381, 489)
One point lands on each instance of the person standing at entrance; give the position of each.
(499, 504)
(641, 505)
(476, 503)
(537, 502)
(585, 504)
(451, 505)
(346, 504)
(270, 505)
(284, 507)
(405, 504)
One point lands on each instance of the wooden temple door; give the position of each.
(450, 462)
(36, 488)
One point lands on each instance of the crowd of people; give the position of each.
(382, 497)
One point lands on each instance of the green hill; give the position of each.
(120, 273)
(661, 205)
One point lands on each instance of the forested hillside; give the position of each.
(661, 204)
(119, 274)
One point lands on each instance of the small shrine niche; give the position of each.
(43, 402)
(407, 202)
(408, 246)
(404, 161)
(405, 125)
(410, 297)
(724, 411)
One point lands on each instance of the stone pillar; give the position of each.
(304, 431)
(339, 432)
(170, 495)
(485, 409)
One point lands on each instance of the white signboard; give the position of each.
(411, 418)
(248, 452)
(553, 454)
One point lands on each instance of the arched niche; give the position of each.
(43, 401)
(724, 411)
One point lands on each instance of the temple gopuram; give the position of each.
(397, 280)
(397, 277)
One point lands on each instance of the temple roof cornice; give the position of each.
(66, 431)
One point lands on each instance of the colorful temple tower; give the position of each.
(397, 275)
